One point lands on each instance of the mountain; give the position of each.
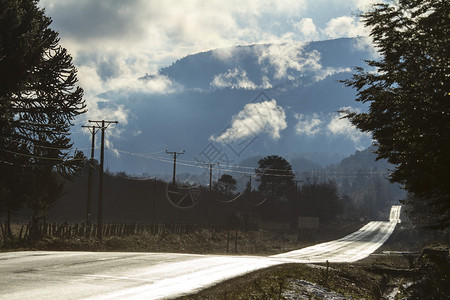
(365, 181)
(225, 105)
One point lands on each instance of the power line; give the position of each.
(197, 165)
(229, 168)
(192, 163)
(41, 157)
(37, 146)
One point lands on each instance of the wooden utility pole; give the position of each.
(295, 202)
(102, 125)
(93, 131)
(210, 173)
(250, 178)
(210, 189)
(175, 155)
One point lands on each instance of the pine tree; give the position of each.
(275, 176)
(39, 100)
(408, 90)
(226, 184)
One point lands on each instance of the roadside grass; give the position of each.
(408, 274)
(203, 241)
(275, 282)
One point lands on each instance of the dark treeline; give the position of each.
(272, 197)
(362, 183)
(142, 200)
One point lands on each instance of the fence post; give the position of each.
(228, 240)
(235, 240)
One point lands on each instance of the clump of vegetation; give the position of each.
(276, 282)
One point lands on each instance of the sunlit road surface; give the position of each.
(115, 275)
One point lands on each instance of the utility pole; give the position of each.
(175, 155)
(93, 131)
(210, 173)
(154, 200)
(295, 202)
(102, 125)
(250, 177)
(210, 188)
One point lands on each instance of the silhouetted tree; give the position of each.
(275, 176)
(38, 98)
(408, 92)
(276, 181)
(226, 184)
(320, 199)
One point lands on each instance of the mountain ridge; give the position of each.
(217, 99)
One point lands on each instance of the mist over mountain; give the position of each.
(225, 105)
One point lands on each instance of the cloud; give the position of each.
(345, 26)
(328, 71)
(235, 79)
(365, 43)
(340, 126)
(308, 125)
(308, 29)
(290, 56)
(332, 125)
(256, 118)
(364, 5)
(289, 61)
(238, 79)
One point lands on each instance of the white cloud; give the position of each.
(365, 43)
(256, 118)
(345, 26)
(233, 79)
(328, 71)
(308, 125)
(340, 126)
(289, 56)
(308, 29)
(365, 5)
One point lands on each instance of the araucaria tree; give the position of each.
(408, 90)
(39, 100)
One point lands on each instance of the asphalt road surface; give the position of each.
(116, 275)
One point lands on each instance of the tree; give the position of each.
(275, 176)
(408, 90)
(226, 184)
(320, 199)
(39, 99)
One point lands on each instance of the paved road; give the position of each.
(112, 275)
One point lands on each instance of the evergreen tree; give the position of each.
(226, 184)
(39, 100)
(275, 176)
(320, 199)
(408, 90)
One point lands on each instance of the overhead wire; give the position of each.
(229, 168)
(41, 157)
(201, 166)
(46, 147)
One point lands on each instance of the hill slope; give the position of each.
(240, 102)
